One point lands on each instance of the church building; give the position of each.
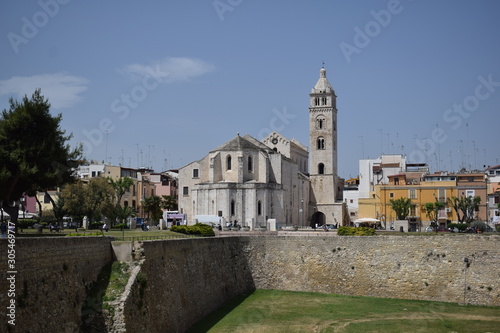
(248, 182)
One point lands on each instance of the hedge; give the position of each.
(355, 231)
(197, 229)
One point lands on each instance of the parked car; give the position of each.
(429, 229)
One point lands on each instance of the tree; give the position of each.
(169, 202)
(99, 196)
(121, 186)
(34, 154)
(152, 205)
(401, 206)
(432, 211)
(122, 213)
(467, 205)
(92, 200)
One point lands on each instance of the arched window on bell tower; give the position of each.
(228, 162)
(321, 169)
(320, 122)
(320, 143)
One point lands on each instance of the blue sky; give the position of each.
(170, 80)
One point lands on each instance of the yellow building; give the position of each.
(421, 190)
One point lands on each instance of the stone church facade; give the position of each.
(248, 182)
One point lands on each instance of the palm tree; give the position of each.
(169, 202)
(152, 205)
(122, 213)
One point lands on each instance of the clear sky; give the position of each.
(161, 83)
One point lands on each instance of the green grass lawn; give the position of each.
(287, 311)
(118, 234)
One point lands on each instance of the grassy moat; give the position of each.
(287, 311)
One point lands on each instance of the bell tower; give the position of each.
(323, 154)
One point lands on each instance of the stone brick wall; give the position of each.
(181, 281)
(411, 267)
(184, 280)
(53, 275)
(187, 279)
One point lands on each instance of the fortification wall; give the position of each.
(52, 281)
(411, 267)
(181, 281)
(184, 280)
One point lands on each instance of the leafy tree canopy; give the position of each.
(34, 154)
(401, 206)
(465, 207)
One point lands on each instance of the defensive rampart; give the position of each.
(187, 279)
(181, 281)
(54, 277)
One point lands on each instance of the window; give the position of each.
(219, 213)
(259, 208)
(442, 195)
(351, 201)
(185, 190)
(353, 213)
(412, 193)
(396, 181)
(195, 173)
(93, 174)
(324, 101)
(228, 162)
(250, 164)
(391, 195)
(232, 207)
(413, 210)
(470, 193)
(321, 143)
(316, 101)
(321, 169)
(46, 198)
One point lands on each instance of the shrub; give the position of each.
(96, 225)
(352, 231)
(479, 225)
(197, 229)
(460, 226)
(26, 223)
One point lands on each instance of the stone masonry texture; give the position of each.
(181, 281)
(53, 277)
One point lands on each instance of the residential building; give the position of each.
(493, 200)
(351, 197)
